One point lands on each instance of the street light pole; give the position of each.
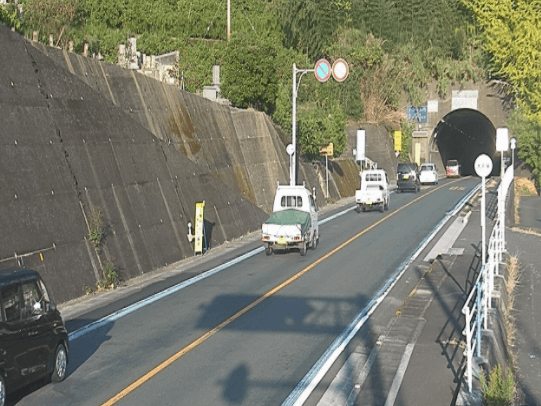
(228, 19)
(293, 164)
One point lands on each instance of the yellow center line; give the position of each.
(156, 370)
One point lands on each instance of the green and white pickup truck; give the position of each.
(294, 221)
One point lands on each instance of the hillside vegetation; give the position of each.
(393, 48)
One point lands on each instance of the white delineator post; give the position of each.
(502, 145)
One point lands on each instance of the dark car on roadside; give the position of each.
(408, 177)
(33, 337)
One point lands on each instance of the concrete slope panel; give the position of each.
(218, 145)
(262, 162)
(228, 214)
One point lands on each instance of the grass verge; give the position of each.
(499, 388)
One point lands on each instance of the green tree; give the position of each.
(527, 131)
(249, 75)
(52, 17)
(318, 125)
(512, 37)
(252, 71)
(10, 16)
(308, 24)
(196, 58)
(108, 13)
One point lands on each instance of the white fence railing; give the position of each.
(479, 300)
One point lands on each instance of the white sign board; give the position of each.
(502, 139)
(361, 145)
(432, 106)
(464, 99)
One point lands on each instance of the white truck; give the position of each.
(374, 191)
(294, 221)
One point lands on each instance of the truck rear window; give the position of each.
(291, 201)
(373, 177)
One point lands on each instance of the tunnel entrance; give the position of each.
(463, 135)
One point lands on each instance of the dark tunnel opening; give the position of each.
(463, 135)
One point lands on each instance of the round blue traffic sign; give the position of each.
(322, 70)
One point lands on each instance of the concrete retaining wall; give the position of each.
(79, 137)
(240, 148)
(67, 153)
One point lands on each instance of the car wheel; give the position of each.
(314, 241)
(303, 249)
(386, 207)
(381, 207)
(3, 391)
(268, 250)
(60, 364)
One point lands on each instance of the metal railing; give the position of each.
(479, 300)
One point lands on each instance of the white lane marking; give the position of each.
(306, 386)
(151, 299)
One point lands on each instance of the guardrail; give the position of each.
(479, 300)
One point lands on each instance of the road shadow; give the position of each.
(323, 317)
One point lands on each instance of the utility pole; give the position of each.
(228, 19)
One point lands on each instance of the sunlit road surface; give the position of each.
(249, 334)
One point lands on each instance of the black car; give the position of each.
(408, 177)
(33, 338)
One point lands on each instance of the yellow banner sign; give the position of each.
(397, 140)
(327, 150)
(199, 227)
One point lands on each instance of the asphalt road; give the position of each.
(246, 335)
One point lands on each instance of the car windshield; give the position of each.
(404, 168)
(427, 168)
(452, 163)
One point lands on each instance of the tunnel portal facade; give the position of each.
(462, 127)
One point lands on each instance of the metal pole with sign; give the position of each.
(322, 71)
(483, 168)
(292, 168)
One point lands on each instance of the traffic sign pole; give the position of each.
(323, 71)
(483, 168)
(292, 169)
